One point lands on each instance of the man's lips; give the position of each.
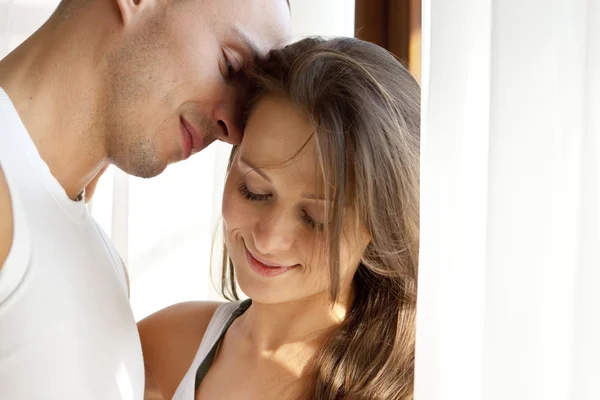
(197, 140)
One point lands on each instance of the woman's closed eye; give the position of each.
(319, 226)
(249, 195)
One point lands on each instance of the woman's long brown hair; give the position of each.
(365, 110)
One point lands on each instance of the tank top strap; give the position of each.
(221, 321)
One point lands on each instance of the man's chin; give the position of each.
(145, 171)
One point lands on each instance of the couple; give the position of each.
(320, 209)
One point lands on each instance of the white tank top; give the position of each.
(66, 327)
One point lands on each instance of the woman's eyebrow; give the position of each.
(259, 171)
(314, 197)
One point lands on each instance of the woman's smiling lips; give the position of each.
(264, 267)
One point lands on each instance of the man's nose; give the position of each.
(229, 115)
(229, 127)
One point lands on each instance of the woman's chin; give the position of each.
(263, 291)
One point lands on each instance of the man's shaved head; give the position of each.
(170, 80)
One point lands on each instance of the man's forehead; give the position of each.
(255, 46)
(261, 24)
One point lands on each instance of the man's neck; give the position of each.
(51, 83)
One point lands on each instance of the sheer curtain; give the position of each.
(509, 306)
(163, 227)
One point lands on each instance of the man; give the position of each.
(136, 83)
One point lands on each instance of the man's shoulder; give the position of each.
(170, 339)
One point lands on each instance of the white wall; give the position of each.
(20, 18)
(322, 17)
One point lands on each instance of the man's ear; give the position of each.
(132, 9)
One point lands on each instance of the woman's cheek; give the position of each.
(238, 213)
(313, 253)
(230, 203)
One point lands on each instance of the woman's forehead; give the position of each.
(279, 140)
(276, 132)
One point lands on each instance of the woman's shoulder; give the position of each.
(170, 339)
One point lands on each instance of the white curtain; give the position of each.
(509, 285)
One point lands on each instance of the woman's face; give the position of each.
(274, 212)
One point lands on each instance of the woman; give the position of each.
(321, 213)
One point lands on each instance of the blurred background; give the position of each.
(164, 227)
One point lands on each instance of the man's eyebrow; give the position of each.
(248, 43)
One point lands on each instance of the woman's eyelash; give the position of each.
(311, 222)
(251, 196)
(244, 191)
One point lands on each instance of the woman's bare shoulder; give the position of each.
(170, 339)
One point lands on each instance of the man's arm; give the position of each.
(6, 220)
